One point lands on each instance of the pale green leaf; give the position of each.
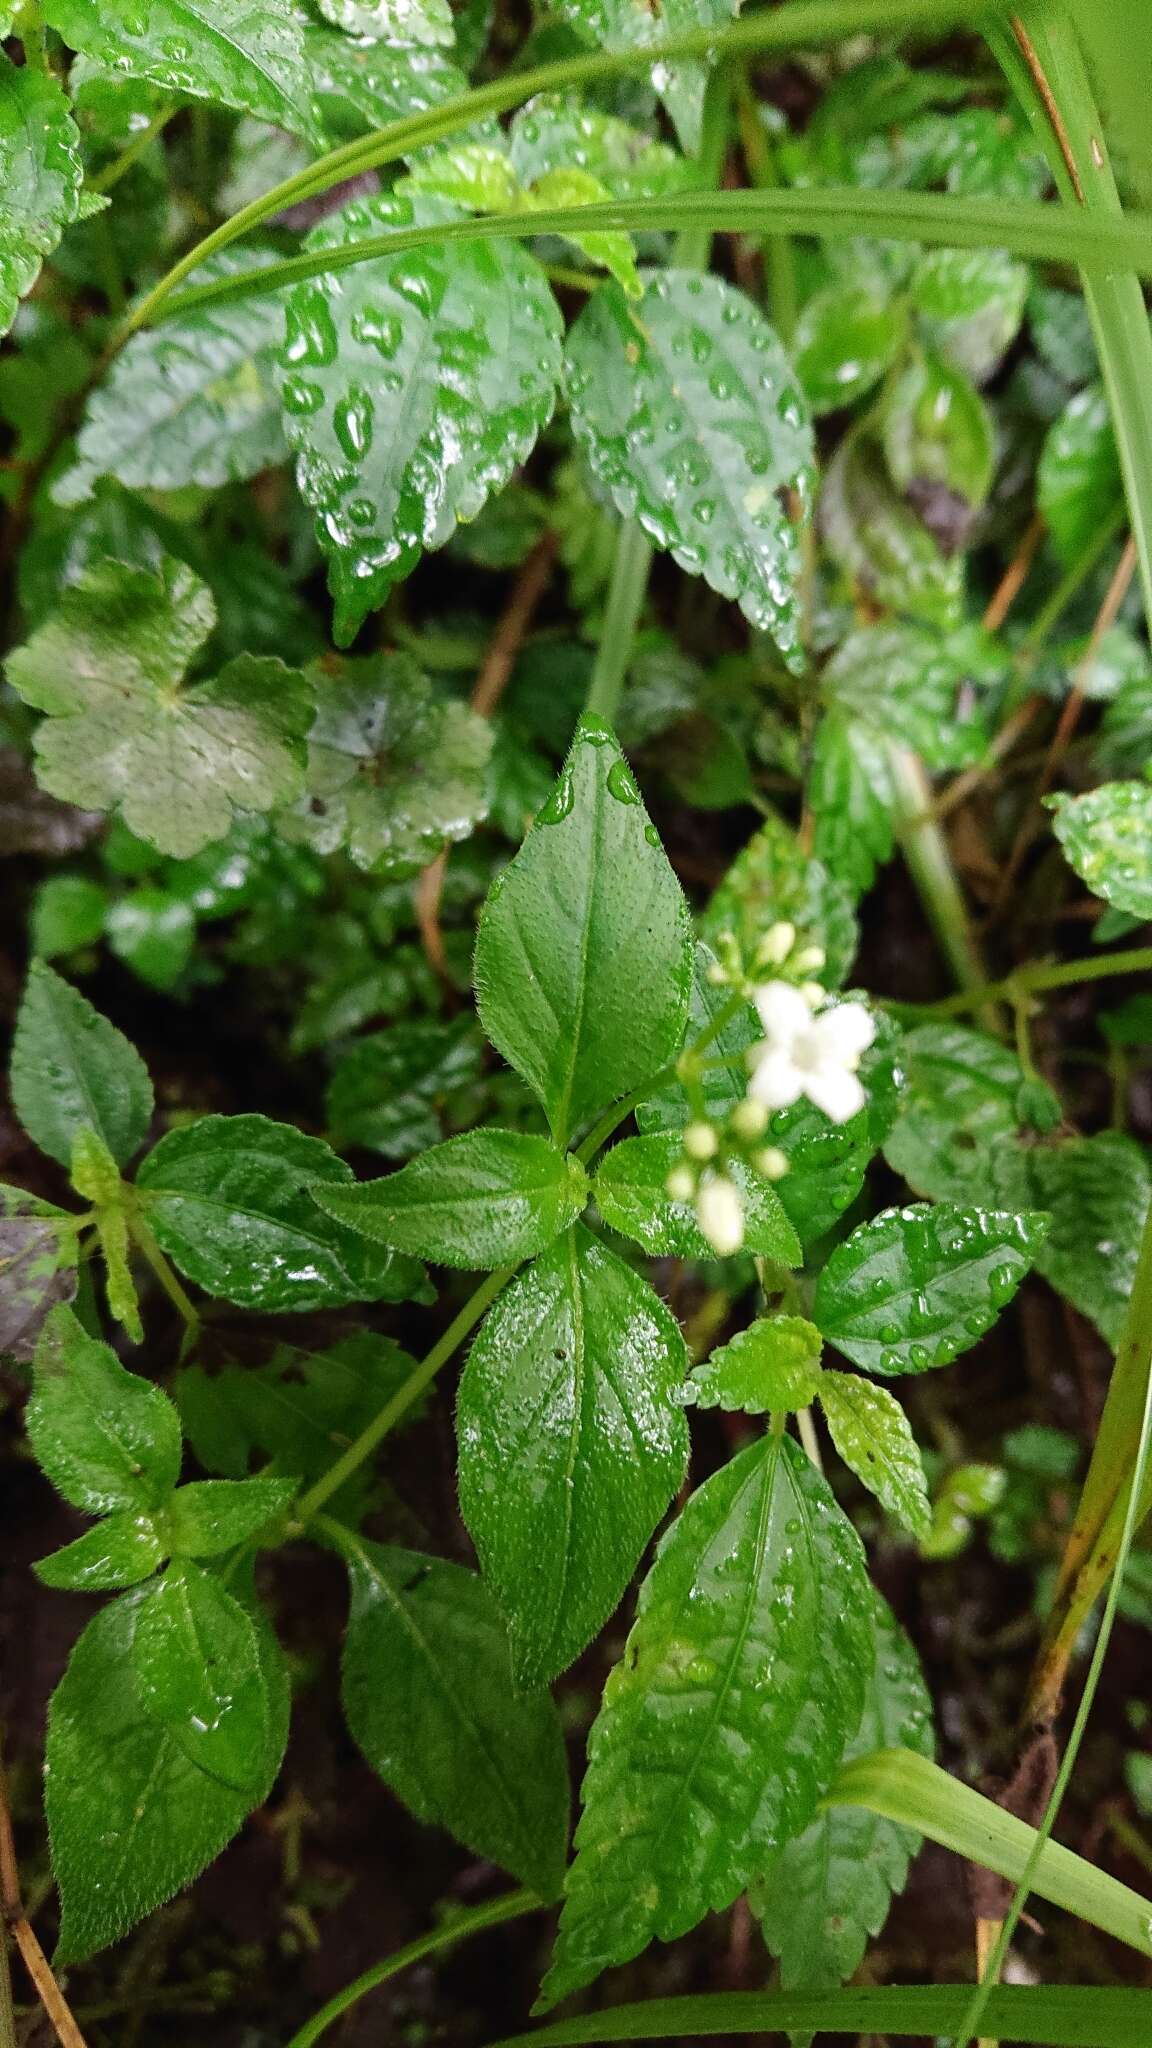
(874, 1437)
(771, 1367)
(392, 21)
(1079, 488)
(969, 304)
(118, 1551)
(106, 1438)
(1107, 837)
(772, 879)
(1096, 1192)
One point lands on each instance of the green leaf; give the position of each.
(583, 956)
(751, 1643)
(486, 1199)
(1107, 837)
(388, 1091)
(959, 1111)
(938, 434)
(772, 878)
(823, 1894)
(569, 186)
(1079, 488)
(154, 933)
(228, 1199)
(969, 305)
(845, 341)
(874, 1437)
(199, 1674)
(915, 1287)
(37, 1268)
(569, 1427)
(72, 1070)
(68, 912)
(355, 85)
(413, 387)
(132, 1818)
(40, 176)
(119, 1551)
(119, 1286)
(688, 412)
(911, 684)
(210, 1516)
(106, 1438)
(121, 732)
(393, 21)
(429, 1697)
(851, 798)
(1096, 1191)
(192, 402)
(632, 1197)
(396, 770)
(772, 1367)
(879, 542)
(618, 25)
(232, 52)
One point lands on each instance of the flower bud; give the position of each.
(681, 1184)
(720, 1214)
(814, 994)
(810, 960)
(749, 1120)
(700, 1141)
(776, 944)
(771, 1162)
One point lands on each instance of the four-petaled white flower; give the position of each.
(802, 1054)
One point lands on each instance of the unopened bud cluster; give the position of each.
(703, 1174)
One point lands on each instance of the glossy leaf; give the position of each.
(131, 1816)
(1079, 487)
(119, 1551)
(852, 800)
(773, 879)
(874, 1437)
(199, 1674)
(583, 956)
(121, 732)
(396, 770)
(961, 1107)
(617, 25)
(233, 52)
(688, 412)
(106, 1438)
(915, 1287)
(571, 1444)
(632, 1196)
(394, 21)
(1096, 1192)
(938, 435)
(210, 1516)
(73, 1071)
(429, 1697)
(846, 340)
(822, 1895)
(228, 1199)
(879, 541)
(37, 1268)
(412, 388)
(192, 402)
(387, 1092)
(969, 305)
(751, 1642)
(40, 176)
(910, 684)
(356, 84)
(771, 1367)
(485, 1199)
(554, 130)
(1107, 837)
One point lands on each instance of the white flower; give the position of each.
(802, 1054)
(720, 1213)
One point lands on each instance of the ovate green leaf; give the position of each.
(938, 435)
(913, 685)
(429, 1697)
(247, 54)
(851, 798)
(969, 304)
(392, 21)
(196, 1659)
(632, 1196)
(387, 1092)
(879, 540)
(915, 1287)
(771, 1367)
(571, 1444)
(485, 1199)
(210, 1516)
(750, 1649)
(960, 1110)
(583, 954)
(73, 1071)
(845, 341)
(119, 1551)
(619, 25)
(688, 412)
(40, 177)
(1096, 1191)
(412, 389)
(1107, 836)
(106, 1438)
(873, 1436)
(1079, 488)
(772, 879)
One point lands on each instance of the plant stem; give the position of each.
(153, 1256)
(112, 173)
(351, 1460)
(779, 252)
(925, 850)
(513, 1906)
(1035, 980)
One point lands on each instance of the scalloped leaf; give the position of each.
(40, 177)
(1107, 837)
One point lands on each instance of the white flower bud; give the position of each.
(814, 994)
(700, 1141)
(771, 1162)
(720, 1214)
(810, 960)
(749, 1120)
(681, 1184)
(718, 975)
(776, 944)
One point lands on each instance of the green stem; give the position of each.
(925, 850)
(369, 1438)
(513, 1906)
(112, 173)
(1035, 980)
(779, 251)
(153, 1256)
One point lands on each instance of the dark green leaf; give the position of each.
(751, 1644)
(413, 387)
(845, 341)
(119, 1551)
(771, 1367)
(236, 53)
(37, 1268)
(1096, 1191)
(879, 541)
(969, 304)
(210, 1516)
(107, 669)
(851, 796)
(40, 177)
(1079, 488)
(632, 1196)
(429, 1697)
(687, 409)
(131, 1817)
(571, 1444)
(915, 1287)
(1107, 836)
(873, 1436)
(915, 686)
(73, 1071)
(106, 1438)
(196, 1660)
(228, 1199)
(486, 1199)
(583, 956)
(357, 84)
(823, 1894)
(960, 1108)
(68, 911)
(616, 25)
(388, 1092)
